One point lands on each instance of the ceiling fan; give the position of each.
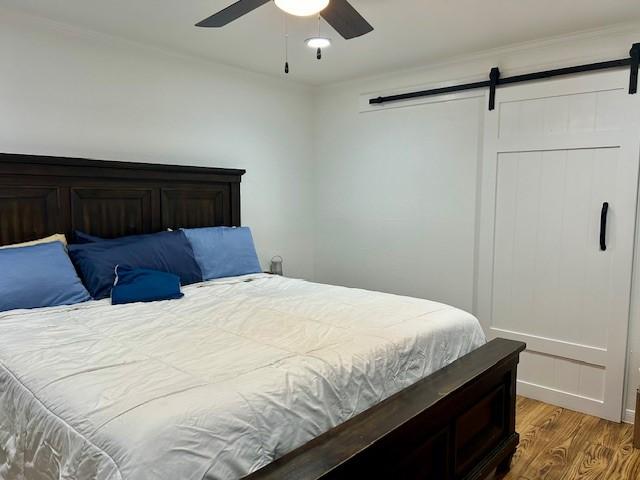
(340, 14)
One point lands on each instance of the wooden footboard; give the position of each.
(458, 423)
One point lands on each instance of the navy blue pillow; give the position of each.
(168, 252)
(142, 285)
(81, 237)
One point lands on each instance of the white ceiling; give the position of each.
(408, 33)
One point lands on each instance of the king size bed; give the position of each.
(256, 377)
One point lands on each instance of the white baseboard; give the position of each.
(571, 401)
(629, 416)
(567, 400)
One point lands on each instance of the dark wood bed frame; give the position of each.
(458, 423)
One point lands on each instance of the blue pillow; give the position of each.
(38, 276)
(223, 251)
(165, 251)
(80, 237)
(142, 285)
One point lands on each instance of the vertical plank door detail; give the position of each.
(554, 154)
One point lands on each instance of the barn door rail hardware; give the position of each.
(495, 81)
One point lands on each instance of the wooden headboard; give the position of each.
(40, 196)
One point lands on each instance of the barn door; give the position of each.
(560, 175)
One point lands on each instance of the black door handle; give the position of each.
(603, 226)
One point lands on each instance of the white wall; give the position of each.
(397, 186)
(64, 91)
(397, 197)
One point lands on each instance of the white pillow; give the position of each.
(58, 237)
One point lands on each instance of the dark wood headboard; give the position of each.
(40, 196)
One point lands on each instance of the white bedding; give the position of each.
(213, 386)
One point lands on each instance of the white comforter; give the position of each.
(213, 386)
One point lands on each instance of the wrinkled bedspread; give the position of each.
(213, 386)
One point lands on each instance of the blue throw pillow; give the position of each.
(80, 237)
(38, 276)
(165, 251)
(224, 251)
(142, 285)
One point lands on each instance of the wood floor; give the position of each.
(561, 444)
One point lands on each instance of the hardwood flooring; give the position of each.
(559, 444)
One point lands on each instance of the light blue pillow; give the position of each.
(223, 251)
(38, 276)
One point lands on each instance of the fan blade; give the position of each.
(341, 15)
(231, 13)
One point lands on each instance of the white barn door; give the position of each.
(551, 273)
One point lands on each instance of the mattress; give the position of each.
(213, 386)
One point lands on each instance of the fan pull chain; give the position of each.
(319, 52)
(286, 45)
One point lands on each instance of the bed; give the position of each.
(256, 377)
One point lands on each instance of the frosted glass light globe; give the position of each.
(318, 42)
(302, 8)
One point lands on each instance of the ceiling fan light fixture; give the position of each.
(302, 8)
(318, 42)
